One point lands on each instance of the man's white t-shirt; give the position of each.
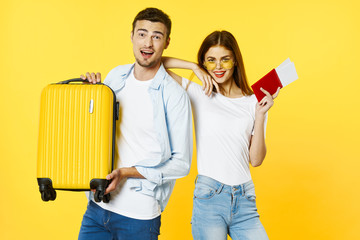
(223, 128)
(137, 142)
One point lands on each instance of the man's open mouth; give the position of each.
(146, 53)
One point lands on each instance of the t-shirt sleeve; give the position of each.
(193, 89)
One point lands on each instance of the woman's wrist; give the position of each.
(195, 67)
(260, 116)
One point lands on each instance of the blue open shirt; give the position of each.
(173, 125)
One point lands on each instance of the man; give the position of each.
(154, 140)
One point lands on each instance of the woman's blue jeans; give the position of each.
(221, 209)
(99, 223)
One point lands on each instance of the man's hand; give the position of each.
(91, 77)
(116, 176)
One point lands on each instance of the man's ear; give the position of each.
(131, 36)
(167, 43)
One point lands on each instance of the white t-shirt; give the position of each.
(137, 141)
(223, 128)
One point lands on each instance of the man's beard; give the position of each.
(146, 64)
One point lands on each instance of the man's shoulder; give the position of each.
(172, 87)
(117, 73)
(121, 69)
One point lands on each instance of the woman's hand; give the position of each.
(207, 81)
(267, 102)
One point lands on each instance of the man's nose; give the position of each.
(148, 42)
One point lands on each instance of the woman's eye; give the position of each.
(211, 60)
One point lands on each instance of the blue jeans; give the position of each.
(221, 209)
(101, 224)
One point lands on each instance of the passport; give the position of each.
(281, 76)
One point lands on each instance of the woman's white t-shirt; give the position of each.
(223, 128)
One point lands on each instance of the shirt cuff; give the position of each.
(142, 185)
(150, 174)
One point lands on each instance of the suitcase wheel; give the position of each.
(48, 195)
(106, 198)
(46, 189)
(98, 195)
(100, 186)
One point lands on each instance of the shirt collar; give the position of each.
(158, 78)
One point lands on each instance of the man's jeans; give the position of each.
(99, 223)
(221, 209)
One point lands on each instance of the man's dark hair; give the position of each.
(153, 15)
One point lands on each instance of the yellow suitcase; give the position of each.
(76, 142)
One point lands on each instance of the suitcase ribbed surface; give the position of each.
(75, 143)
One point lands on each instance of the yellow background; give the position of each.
(307, 187)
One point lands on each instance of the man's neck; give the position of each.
(145, 73)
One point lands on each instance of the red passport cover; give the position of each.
(270, 82)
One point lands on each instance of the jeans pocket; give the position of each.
(250, 195)
(203, 191)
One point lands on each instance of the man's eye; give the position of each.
(141, 34)
(157, 37)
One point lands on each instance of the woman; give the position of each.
(230, 133)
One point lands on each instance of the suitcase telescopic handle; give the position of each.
(75, 80)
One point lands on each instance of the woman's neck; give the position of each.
(230, 89)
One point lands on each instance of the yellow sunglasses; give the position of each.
(224, 63)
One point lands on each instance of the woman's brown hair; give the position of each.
(227, 40)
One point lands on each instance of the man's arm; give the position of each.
(179, 125)
(118, 174)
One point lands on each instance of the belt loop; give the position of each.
(196, 178)
(243, 189)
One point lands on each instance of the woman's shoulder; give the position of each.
(190, 85)
(252, 98)
(249, 99)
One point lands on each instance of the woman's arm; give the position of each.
(257, 141)
(170, 62)
(203, 75)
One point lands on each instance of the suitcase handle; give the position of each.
(75, 80)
